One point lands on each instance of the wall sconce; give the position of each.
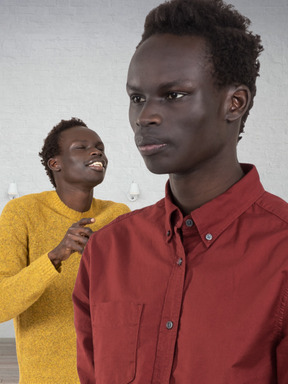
(133, 191)
(12, 190)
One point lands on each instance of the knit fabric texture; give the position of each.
(36, 295)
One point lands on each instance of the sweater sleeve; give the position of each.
(83, 322)
(21, 283)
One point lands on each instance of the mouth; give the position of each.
(97, 165)
(149, 147)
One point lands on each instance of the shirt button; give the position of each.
(168, 233)
(179, 261)
(169, 324)
(189, 222)
(209, 236)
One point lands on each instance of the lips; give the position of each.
(149, 146)
(97, 165)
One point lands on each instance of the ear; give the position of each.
(54, 164)
(238, 101)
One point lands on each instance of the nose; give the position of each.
(96, 152)
(148, 116)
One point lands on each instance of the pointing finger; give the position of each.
(84, 222)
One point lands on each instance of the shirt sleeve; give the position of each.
(282, 348)
(282, 363)
(21, 283)
(83, 322)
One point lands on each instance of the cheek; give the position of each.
(135, 111)
(74, 164)
(132, 118)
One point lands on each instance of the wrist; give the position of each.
(56, 262)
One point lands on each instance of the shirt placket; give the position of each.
(170, 313)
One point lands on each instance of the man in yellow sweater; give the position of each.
(42, 238)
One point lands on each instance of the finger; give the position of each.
(75, 239)
(77, 247)
(83, 222)
(80, 231)
(86, 234)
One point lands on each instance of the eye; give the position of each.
(136, 99)
(175, 95)
(80, 147)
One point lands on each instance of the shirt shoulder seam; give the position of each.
(274, 212)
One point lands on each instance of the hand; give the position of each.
(74, 240)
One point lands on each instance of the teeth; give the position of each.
(96, 164)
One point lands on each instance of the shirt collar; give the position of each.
(212, 218)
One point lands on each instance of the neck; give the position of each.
(191, 191)
(76, 199)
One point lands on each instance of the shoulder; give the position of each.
(28, 202)
(106, 211)
(150, 214)
(110, 205)
(23, 210)
(274, 206)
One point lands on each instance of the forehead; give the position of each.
(168, 57)
(78, 133)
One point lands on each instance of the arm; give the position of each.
(21, 283)
(282, 347)
(282, 362)
(82, 319)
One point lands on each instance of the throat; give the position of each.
(78, 200)
(191, 193)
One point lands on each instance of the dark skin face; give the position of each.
(183, 124)
(79, 167)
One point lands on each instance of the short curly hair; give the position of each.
(51, 147)
(232, 49)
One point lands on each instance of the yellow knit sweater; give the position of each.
(33, 292)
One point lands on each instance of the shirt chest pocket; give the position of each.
(115, 338)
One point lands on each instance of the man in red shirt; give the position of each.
(193, 289)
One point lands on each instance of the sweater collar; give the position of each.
(59, 206)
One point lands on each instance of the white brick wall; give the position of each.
(64, 58)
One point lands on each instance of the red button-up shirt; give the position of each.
(161, 298)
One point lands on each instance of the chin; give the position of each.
(97, 182)
(157, 169)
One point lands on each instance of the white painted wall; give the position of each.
(64, 58)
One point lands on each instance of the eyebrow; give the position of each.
(131, 87)
(86, 141)
(169, 84)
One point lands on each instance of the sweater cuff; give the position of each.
(46, 268)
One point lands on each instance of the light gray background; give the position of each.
(64, 58)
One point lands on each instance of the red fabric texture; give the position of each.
(161, 298)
